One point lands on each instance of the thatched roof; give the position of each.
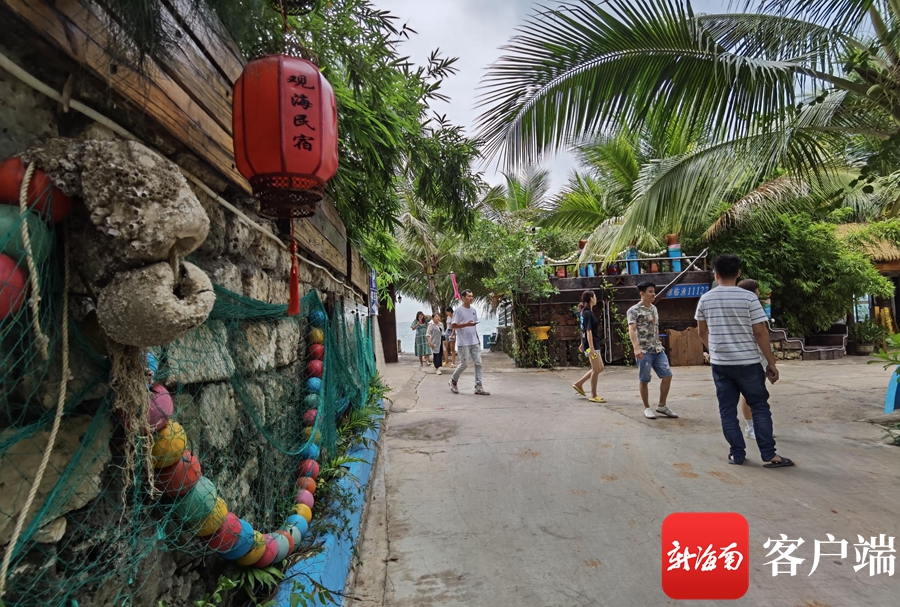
(877, 249)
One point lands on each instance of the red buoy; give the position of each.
(12, 286)
(47, 200)
(180, 477)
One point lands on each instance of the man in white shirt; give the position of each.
(733, 327)
(467, 344)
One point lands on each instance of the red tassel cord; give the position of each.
(294, 303)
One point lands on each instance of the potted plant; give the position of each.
(540, 333)
(866, 333)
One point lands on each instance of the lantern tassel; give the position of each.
(294, 303)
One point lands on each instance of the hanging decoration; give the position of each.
(285, 133)
(194, 498)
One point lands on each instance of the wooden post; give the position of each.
(387, 324)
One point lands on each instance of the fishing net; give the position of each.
(239, 386)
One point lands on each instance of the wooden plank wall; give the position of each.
(187, 96)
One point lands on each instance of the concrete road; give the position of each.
(535, 497)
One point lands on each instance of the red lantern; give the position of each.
(285, 133)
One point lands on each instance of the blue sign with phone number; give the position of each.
(683, 291)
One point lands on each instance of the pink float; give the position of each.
(305, 497)
(271, 551)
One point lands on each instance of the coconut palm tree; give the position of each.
(431, 250)
(612, 166)
(583, 204)
(522, 194)
(793, 86)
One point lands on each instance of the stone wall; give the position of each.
(787, 350)
(234, 256)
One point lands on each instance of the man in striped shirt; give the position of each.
(734, 328)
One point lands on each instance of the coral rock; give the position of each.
(145, 307)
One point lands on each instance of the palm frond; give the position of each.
(527, 191)
(775, 196)
(573, 71)
(617, 158)
(839, 15)
(583, 205)
(781, 37)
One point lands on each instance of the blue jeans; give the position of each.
(657, 361)
(749, 380)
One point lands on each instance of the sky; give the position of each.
(474, 31)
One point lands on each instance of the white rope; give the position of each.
(39, 86)
(60, 407)
(662, 253)
(34, 301)
(566, 260)
(574, 255)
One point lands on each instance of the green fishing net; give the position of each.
(239, 384)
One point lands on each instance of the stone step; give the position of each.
(823, 354)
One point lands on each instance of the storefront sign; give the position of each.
(685, 291)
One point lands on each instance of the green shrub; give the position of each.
(813, 275)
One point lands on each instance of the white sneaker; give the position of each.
(438, 371)
(648, 413)
(749, 432)
(666, 411)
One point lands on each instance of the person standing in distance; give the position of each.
(590, 344)
(420, 326)
(464, 320)
(643, 329)
(435, 336)
(734, 328)
(450, 338)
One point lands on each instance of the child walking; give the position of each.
(450, 339)
(752, 286)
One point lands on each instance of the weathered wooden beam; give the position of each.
(329, 223)
(194, 72)
(210, 35)
(313, 241)
(84, 35)
(359, 273)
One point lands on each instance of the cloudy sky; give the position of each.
(474, 31)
